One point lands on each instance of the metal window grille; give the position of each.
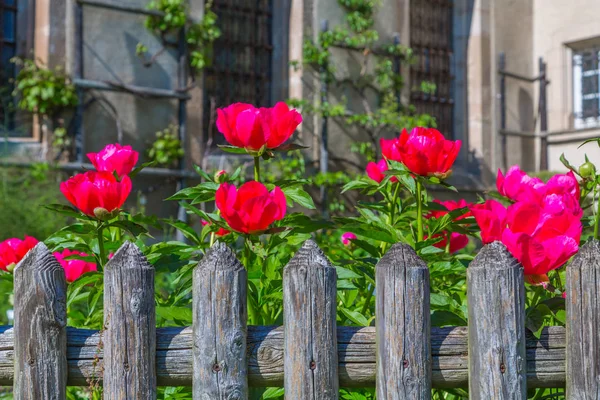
(241, 68)
(431, 41)
(586, 88)
(8, 30)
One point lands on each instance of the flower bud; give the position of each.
(104, 215)
(221, 176)
(587, 169)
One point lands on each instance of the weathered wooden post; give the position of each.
(129, 326)
(40, 327)
(403, 325)
(220, 318)
(496, 293)
(583, 323)
(310, 341)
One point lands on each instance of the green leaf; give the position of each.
(232, 149)
(186, 230)
(355, 316)
(173, 313)
(67, 210)
(203, 174)
(446, 318)
(343, 273)
(272, 393)
(133, 228)
(566, 163)
(298, 195)
(289, 147)
(597, 140)
(358, 184)
(139, 169)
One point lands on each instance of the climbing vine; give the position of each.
(199, 36)
(358, 34)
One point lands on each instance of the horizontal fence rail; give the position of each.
(220, 356)
(355, 350)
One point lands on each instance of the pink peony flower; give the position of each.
(96, 194)
(491, 218)
(74, 267)
(246, 126)
(13, 250)
(251, 208)
(219, 232)
(542, 228)
(347, 238)
(458, 241)
(115, 158)
(424, 151)
(376, 171)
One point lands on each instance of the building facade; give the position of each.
(459, 45)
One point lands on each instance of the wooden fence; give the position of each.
(402, 356)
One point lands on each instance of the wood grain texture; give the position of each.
(40, 343)
(403, 325)
(129, 326)
(496, 294)
(356, 356)
(220, 326)
(310, 341)
(583, 323)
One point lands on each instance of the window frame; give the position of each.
(580, 121)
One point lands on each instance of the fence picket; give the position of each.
(403, 325)
(129, 326)
(219, 329)
(40, 327)
(583, 323)
(496, 294)
(310, 342)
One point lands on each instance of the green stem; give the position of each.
(101, 244)
(597, 221)
(257, 169)
(393, 204)
(252, 305)
(368, 299)
(448, 236)
(420, 235)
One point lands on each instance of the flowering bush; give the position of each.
(539, 222)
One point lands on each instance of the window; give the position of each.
(586, 88)
(8, 33)
(241, 68)
(431, 42)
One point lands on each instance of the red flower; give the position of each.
(244, 125)
(74, 268)
(96, 193)
(451, 205)
(251, 208)
(491, 218)
(219, 232)
(376, 171)
(13, 250)
(115, 158)
(457, 240)
(424, 151)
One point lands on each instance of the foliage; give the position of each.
(199, 35)
(166, 150)
(43, 90)
(22, 195)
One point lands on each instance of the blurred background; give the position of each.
(518, 81)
